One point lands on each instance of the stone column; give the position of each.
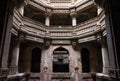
(21, 9)
(99, 10)
(105, 57)
(76, 73)
(47, 20)
(15, 56)
(46, 74)
(72, 1)
(74, 21)
(48, 1)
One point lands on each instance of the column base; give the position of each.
(105, 70)
(114, 73)
(13, 70)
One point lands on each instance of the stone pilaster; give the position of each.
(6, 42)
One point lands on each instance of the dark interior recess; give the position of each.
(60, 62)
(34, 14)
(85, 60)
(87, 15)
(36, 60)
(60, 67)
(60, 19)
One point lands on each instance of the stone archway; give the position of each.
(60, 64)
(60, 60)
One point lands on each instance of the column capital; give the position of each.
(100, 39)
(26, 2)
(73, 14)
(21, 37)
(48, 12)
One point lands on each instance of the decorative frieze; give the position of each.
(34, 39)
(61, 75)
(87, 39)
(60, 41)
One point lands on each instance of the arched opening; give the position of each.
(36, 60)
(60, 60)
(85, 60)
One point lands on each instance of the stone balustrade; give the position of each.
(41, 4)
(18, 77)
(5, 75)
(35, 28)
(61, 75)
(60, 1)
(86, 77)
(101, 77)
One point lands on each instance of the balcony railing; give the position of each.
(60, 1)
(61, 75)
(18, 77)
(38, 29)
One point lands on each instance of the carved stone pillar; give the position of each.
(72, 1)
(47, 14)
(76, 73)
(73, 14)
(99, 10)
(15, 56)
(47, 21)
(48, 1)
(105, 57)
(45, 74)
(21, 9)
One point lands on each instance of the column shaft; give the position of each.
(76, 76)
(72, 1)
(105, 59)
(73, 14)
(48, 1)
(47, 21)
(15, 55)
(99, 10)
(15, 58)
(21, 9)
(74, 21)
